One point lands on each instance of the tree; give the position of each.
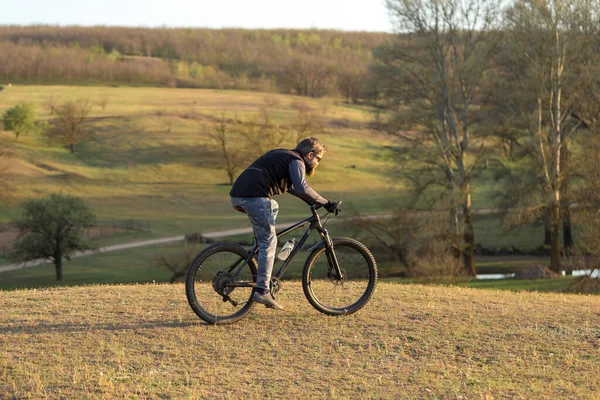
(431, 74)
(52, 227)
(557, 48)
(6, 152)
(103, 102)
(19, 119)
(351, 74)
(308, 75)
(587, 195)
(261, 130)
(177, 261)
(413, 238)
(233, 154)
(306, 122)
(71, 124)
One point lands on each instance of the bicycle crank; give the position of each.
(275, 286)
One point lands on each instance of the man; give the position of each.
(276, 172)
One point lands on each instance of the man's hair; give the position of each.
(310, 144)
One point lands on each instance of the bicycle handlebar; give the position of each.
(335, 208)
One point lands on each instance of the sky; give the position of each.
(347, 15)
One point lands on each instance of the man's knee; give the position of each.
(274, 209)
(272, 240)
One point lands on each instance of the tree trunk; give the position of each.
(72, 148)
(567, 233)
(469, 237)
(547, 230)
(58, 266)
(565, 212)
(454, 218)
(555, 238)
(556, 173)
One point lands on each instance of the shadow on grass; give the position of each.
(87, 327)
(122, 145)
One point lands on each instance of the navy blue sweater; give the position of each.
(276, 172)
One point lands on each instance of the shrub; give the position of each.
(19, 119)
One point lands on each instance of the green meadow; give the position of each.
(150, 163)
(149, 156)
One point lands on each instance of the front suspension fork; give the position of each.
(331, 257)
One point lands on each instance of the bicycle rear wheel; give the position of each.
(208, 280)
(333, 296)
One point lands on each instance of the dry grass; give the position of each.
(161, 167)
(411, 341)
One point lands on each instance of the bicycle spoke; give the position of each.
(210, 289)
(339, 296)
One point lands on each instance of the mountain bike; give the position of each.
(338, 278)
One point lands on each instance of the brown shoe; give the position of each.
(267, 300)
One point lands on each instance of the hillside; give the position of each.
(411, 341)
(149, 155)
(306, 62)
(149, 167)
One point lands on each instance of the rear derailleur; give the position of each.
(221, 285)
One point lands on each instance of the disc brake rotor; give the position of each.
(220, 283)
(332, 276)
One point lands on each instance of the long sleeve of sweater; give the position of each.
(300, 188)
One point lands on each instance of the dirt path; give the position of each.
(210, 235)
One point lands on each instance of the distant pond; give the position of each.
(579, 272)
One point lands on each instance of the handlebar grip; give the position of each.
(337, 203)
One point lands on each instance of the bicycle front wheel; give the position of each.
(209, 280)
(333, 296)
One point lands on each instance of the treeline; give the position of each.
(305, 62)
(482, 93)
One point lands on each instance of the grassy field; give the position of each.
(149, 160)
(560, 284)
(138, 265)
(411, 341)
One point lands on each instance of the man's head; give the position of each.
(311, 150)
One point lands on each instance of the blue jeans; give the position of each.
(262, 213)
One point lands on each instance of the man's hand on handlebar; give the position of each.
(333, 207)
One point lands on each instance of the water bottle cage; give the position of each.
(285, 251)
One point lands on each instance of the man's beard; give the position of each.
(310, 170)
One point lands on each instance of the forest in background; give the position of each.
(305, 62)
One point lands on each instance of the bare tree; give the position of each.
(71, 123)
(261, 130)
(306, 121)
(587, 195)
(177, 262)
(309, 75)
(233, 154)
(51, 103)
(431, 75)
(558, 44)
(351, 74)
(103, 102)
(409, 236)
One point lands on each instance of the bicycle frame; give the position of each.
(314, 223)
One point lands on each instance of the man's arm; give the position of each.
(300, 188)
